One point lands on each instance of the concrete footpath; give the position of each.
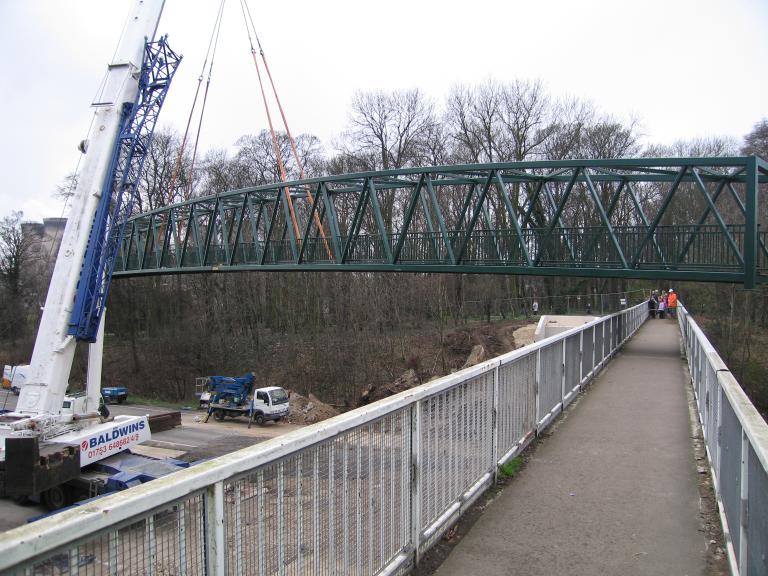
(612, 490)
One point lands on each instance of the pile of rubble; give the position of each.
(524, 336)
(479, 353)
(308, 410)
(406, 381)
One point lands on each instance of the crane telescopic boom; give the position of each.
(124, 118)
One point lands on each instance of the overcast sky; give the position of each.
(685, 68)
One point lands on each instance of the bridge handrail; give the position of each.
(423, 456)
(736, 440)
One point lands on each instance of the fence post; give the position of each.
(744, 512)
(562, 379)
(594, 348)
(495, 424)
(415, 481)
(214, 530)
(718, 430)
(581, 358)
(537, 390)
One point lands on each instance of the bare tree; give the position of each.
(391, 130)
(258, 163)
(756, 142)
(14, 257)
(569, 119)
(473, 121)
(14, 249)
(526, 110)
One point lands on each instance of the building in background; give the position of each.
(43, 241)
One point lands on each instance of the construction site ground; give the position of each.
(191, 442)
(197, 440)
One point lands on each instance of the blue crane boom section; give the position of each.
(120, 188)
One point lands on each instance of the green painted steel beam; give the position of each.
(660, 274)
(212, 233)
(606, 221)
(751, 224)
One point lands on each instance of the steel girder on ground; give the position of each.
(658, 218)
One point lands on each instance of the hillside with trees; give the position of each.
(337, 334)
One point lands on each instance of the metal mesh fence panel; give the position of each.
(572, 365)
(735, 436)
(455, 437)
(713, 397)
(730, 469)
(167, 541)
(587, 352)
(607, 337)
(698, 379)
(757, 517)
(598, 343)
(335, 508)
(550, 378)
(517, 402)
(706, 375)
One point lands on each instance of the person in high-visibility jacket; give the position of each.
(672, 303)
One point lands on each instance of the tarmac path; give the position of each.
(614, 488)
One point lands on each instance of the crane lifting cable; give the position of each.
(278, 155)
(210, 53)
(205, 99)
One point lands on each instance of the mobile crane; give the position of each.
(51, 435)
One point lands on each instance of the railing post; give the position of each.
(495, 424)
(718, 431)
(594, 348)
(415, 481)
(581, 357)
(563, 377)
(744, 512)
(537, 390)
(214, 530)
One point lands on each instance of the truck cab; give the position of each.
(270, 404)
(235, 396)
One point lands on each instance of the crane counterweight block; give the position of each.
(120, 188)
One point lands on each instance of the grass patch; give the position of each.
(511, 468)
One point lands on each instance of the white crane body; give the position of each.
(44, 410)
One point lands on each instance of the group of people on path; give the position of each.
(661, 305)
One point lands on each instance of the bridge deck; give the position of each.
(613, 490)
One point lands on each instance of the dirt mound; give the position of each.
(407, 379)
(477, 355)
(524, 336)
(461, 348)
(308, 410)
(461, 341)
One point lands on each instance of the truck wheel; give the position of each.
(121, 400)
(55, 498)
(259, 419)
(219, 415)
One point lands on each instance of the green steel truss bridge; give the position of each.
(661, 218)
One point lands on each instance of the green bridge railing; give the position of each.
(689, 218)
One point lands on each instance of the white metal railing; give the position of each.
(736, 438)
(366, 492)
